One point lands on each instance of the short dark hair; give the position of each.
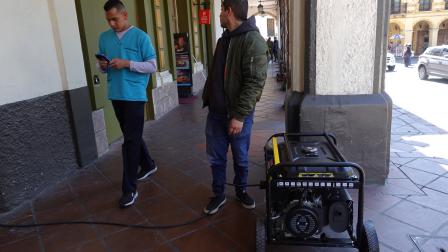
(114, 4)
(239, 8)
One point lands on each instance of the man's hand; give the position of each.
(103, 64)
(235, 127)
(119, 63)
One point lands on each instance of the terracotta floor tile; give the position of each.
(148, 189)
(205, 240)
(177, 183)
(15, 234)
(30, 244)
(134, 240)
(182, 215)
(231, 208)
(241, 228)
(66, 236)
(196, 197)
(54, 197)
(117, 215)
(100, 202)
(155, 207)
(98, 187)
(90, 246)
(164, 248)
(87, 178)
(69, 212)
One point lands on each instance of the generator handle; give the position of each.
(324, 134)
(331, 135)
(336, 164)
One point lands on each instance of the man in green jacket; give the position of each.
(233, 87)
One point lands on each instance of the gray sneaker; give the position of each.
(144, 174)
(214, 205)
(128, 199)
(246, 200)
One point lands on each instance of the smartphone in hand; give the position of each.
(102, 57)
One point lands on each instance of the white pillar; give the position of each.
(433, 36)
(346, 40)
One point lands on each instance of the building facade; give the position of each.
(419, 23)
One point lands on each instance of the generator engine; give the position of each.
(303, 200)
(303, 213)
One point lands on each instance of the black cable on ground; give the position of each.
(115, 223)
(250, 185)
(102, 223)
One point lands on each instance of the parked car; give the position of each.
(434, 61)
(390, 62)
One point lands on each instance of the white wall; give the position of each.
(65, 23)
(35, 61)
(345, 42)
(218, 30)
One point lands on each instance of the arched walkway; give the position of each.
(442, 36)
(396, 39)
(420, 37)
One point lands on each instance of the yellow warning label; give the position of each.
(316, 175)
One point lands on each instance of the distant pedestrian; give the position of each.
(270, 44)
(275, 49)
(407, 56)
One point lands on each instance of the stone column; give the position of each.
(433, 36)
(344, 81)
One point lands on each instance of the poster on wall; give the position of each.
(204, 16)
(183, 64)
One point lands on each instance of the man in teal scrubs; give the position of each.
(132, 59)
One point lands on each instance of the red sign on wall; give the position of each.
(204, 16)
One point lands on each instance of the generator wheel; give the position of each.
(368, 240)
(260, 236)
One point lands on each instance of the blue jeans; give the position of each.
(218, 142)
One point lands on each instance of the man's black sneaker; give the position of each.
(246, 200)
(128, 199)
(214, 205)
(144, 174)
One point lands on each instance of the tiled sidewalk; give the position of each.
(414, 200)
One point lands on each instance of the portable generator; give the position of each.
(307, 195)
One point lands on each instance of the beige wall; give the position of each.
(297, 44)
(41, 49)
